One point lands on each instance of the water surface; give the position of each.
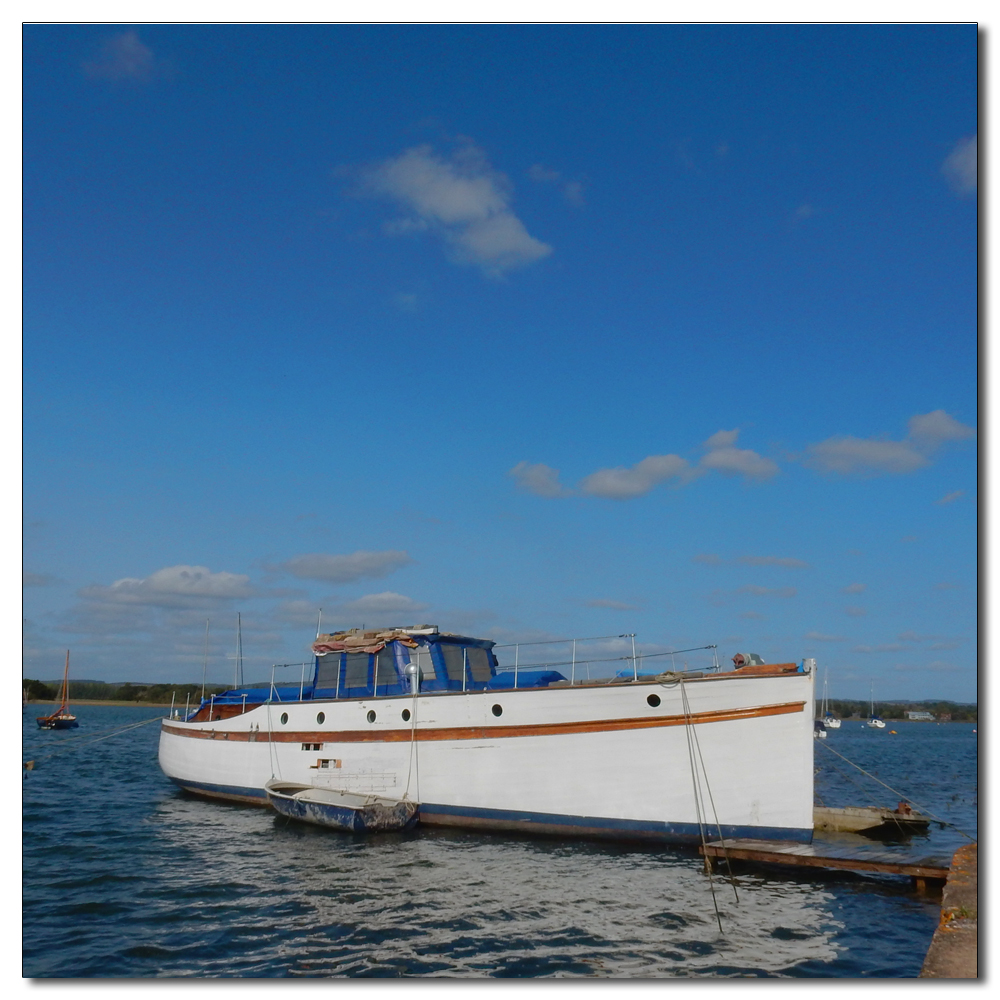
(125, 876)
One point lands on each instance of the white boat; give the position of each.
(874, 722)
(829, 721)
(420, 715)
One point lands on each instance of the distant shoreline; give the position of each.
(120, 704)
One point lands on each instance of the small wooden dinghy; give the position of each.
(869, 820)
(350, 811)
(61, 718)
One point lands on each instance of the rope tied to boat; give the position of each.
(86, 739)
(897, 793)
(695, 747)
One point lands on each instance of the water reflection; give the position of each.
(441, 902)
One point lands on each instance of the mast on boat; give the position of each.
(63, 707)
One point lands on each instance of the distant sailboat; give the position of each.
(61, 717)
(874, 722)
(828, 720)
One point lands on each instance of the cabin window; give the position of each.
(479, 663)
(324, 765)
(312, 746)
(653, 700)
(371, 716)
(421, 656)
(406, 715)
(454, 661)
(321, 717)
(385, 668)
(356, 672)
(326, 671)
(284, 718)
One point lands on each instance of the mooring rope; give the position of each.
(901, 795)
(86, 739)
(413, 744)
(688, 727)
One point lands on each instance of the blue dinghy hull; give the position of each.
(347, 811)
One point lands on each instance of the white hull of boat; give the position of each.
(591, 759)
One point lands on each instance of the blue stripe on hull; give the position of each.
(600, 826)
(233, 793)
(432, 814)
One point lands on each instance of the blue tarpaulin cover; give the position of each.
(525, 679)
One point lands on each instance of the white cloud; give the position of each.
(613, 605)
(345, 568)
(37, 579)
(386, 603)
(707, 558)
(884, 647)
(820, 637)
(124, 57)
(950, 497)
(768, 591)
(855, 612)
(540, 479)
(854, 588)
(724, 457)
(462, 199)
(930, 430)
(572, 190)
(848, 455)
(625, 483)
(173, 586)
(960, 168)
(774, 561)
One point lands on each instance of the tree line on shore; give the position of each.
(941, 710)
(104, 691)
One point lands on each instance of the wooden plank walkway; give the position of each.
(820, 855)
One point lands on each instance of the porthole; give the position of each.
(406, 715)
(321, 718)
(497, 710)
(284, 718)
(653, 700)
(371, 716)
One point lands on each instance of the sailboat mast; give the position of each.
(204, 669)
(238, 668)
(65, 685)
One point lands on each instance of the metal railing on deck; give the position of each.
(575, 663)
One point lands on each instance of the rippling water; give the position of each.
(126, 876)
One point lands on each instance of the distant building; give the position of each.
(920, 716)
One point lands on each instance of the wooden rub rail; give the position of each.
(826, 856)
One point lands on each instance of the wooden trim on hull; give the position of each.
(406, 735)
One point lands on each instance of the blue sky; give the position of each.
(527, 332)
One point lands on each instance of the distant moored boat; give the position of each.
(61, 717)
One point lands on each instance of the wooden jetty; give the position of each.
(923, 871)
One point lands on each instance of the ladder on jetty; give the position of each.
(820, 855)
